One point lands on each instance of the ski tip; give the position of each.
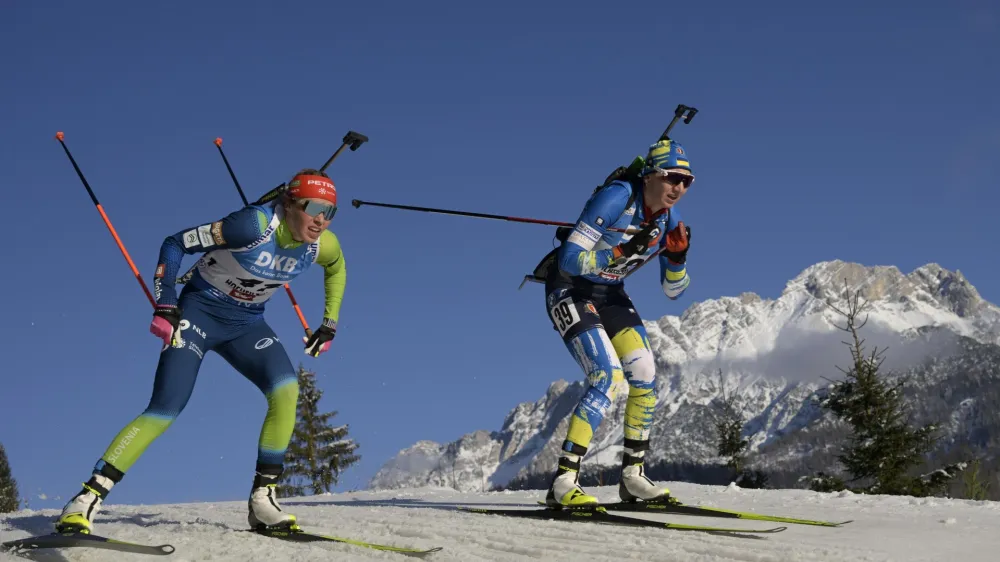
(166, 548)
(753, 532)
(842, 523)
(60, 136)
(421, 553)
(218, 141)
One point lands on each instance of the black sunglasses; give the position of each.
(674, 178)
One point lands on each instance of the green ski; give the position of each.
(599, 515)
(297, 535)
(677, 508)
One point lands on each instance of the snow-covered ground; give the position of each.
(886, 528)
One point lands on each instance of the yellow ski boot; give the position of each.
(264, 511)
(78, 515)
(565, 490)
(634, 485)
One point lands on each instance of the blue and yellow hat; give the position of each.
(666, 155)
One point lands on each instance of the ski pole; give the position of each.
(291, 297)
(358, 203)
(60, 137)
(218, 144)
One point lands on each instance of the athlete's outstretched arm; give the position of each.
(577, 255)
(238, 229)
(331, 257)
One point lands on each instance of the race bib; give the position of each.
(564, 315)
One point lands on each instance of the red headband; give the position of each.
(312, 187)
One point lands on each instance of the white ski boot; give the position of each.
(264, 511)
(565, 490)
(78, 515)
(634, 486)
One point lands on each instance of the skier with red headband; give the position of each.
(248, 255)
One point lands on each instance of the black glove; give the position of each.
(639, 243)
(171, 314)
(320, 339)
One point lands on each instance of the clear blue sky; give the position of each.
(858, 131)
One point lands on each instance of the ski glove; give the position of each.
(677, 244)
(639, 243)
(320, 340)
(166, 324)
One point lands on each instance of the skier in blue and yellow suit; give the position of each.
(248, 255)
(597, 321)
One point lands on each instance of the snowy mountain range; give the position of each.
(774, 354)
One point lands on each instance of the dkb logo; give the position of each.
(279, 263)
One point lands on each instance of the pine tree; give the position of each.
(975, 486)
(9, 497)
(729, 421)
(729, 428)
(883, 446)
(318, 452)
